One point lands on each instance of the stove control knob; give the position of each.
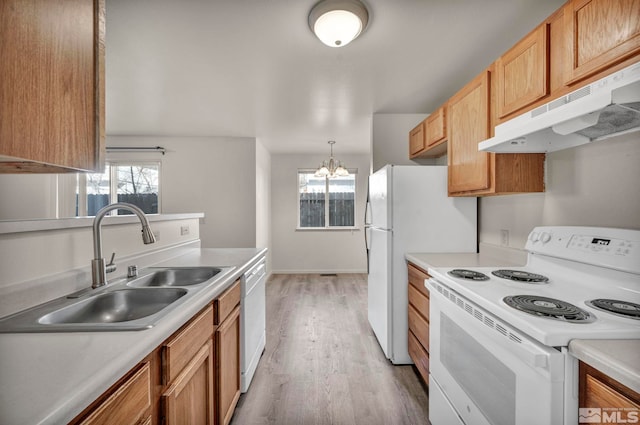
(534, 237)
(545, 237)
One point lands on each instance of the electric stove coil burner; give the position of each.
(520, 276)
(468, 274)
(617, 307)
(549, 308)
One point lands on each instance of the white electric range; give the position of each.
(499, 336)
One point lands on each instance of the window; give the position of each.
(320, 198)
(136, 183)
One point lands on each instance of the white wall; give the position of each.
(263, 200)
(390, 139)
(591, 185)
(28, 196)
(213, 175)
(313, 251)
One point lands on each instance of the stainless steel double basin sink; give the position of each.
(126, 304)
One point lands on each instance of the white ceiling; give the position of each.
(252, 68)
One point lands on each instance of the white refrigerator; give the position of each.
(408, 210)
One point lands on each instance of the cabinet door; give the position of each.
(52, 85)
(522, 73)
(599, 33)
(130, 403)
(416, 140)
(228, 366)
(468, 111)
(189, 399)
(436, 128)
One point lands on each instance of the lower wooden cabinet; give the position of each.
(192, 378)
(615, 401)
(227, 340)
(189, 400)
(127, 403)
(418, 310)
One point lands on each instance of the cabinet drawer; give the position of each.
(419, 326)
(226, 302)
(420, 357)
(128, 404)
(181, 348)
(417, 277)
(419, 302)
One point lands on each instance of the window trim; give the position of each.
(113, 187)
(353, 171)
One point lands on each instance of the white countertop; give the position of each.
(489, 256)
(618, 358)
(48, 378)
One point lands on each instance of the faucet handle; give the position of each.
(111, 267)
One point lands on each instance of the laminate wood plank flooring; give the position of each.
(322, 364)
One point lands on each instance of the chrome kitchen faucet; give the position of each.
(99, 269)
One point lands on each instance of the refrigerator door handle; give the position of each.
(366, 245)
(367, 216)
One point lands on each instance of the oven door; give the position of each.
(486, 371)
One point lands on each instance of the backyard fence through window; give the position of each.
(321, 197)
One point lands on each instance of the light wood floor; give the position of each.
(322, 363)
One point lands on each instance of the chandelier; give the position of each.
(331, 168)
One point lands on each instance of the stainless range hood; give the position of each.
(602, 109)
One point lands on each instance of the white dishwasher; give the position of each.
(253, 333)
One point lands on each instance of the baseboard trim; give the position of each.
(359, 271)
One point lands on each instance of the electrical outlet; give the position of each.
(184, 230)
(504, 237)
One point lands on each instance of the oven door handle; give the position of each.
(531, 354)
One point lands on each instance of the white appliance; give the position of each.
(253, 334)
(408, 210)
(594, 112)
(499, 336)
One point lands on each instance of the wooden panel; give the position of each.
(522, 73)
(556, 53)
(226, 302)
(419, 302)
(189, 400)
(599, 33)
(436, 127)
(468, 112)
(518, 173)
(228, 367)
(419, 356)
(417, 277)
(128, 404)
(600, 390)
(419, 326)
(52, 82)
(416, 140)
(180, 348)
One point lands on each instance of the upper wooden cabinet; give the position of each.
(468, 112)
(475, 173)
(598, 34)
(522, 73)
(427, 139)
(52, 85)
(417, 143)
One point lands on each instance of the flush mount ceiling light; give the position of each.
(338, 22)
(331, 168)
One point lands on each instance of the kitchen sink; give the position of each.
(123, 305)
(175, 276)
(116, 306)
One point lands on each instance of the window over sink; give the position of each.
(137, 183)
(324, 202)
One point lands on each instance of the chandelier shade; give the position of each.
(331, 168)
